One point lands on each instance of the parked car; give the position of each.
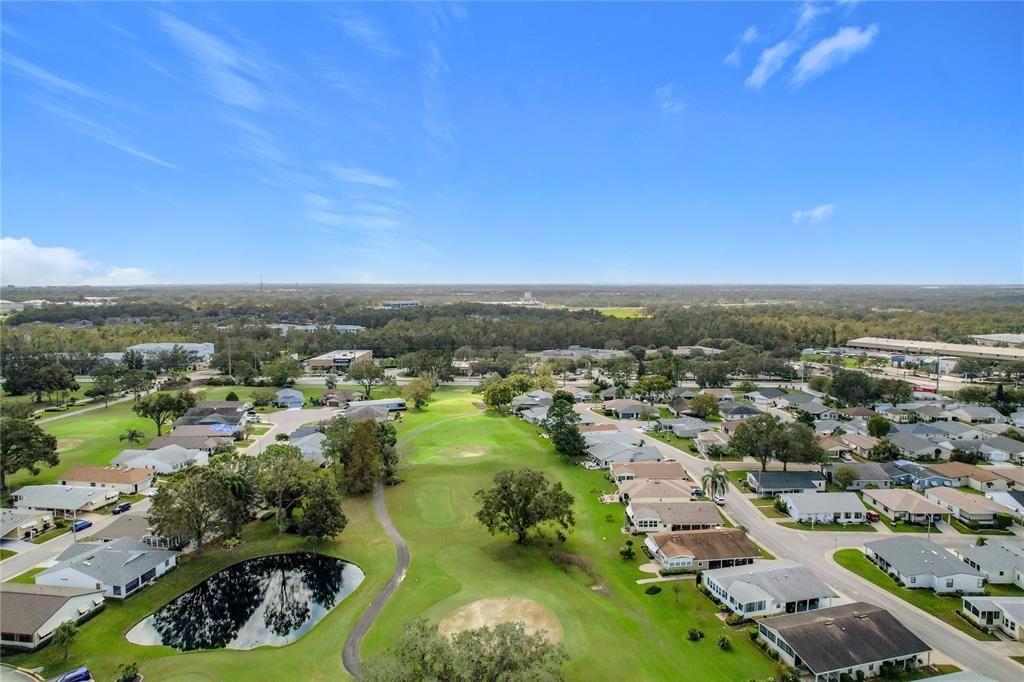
(77, 675)
(122, 508)
(79, 526)
(697, 492)
(872, 516)
(720, 500)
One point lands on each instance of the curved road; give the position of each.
(354, 641)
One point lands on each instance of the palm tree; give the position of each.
(132, 436)
(715, 480)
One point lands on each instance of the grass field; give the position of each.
(766, 506)
(28, 577)
(4, 553)
(600, 607)
(942, 607)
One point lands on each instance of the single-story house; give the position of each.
(705, 439)
(18, 524)
(311, 446)
(858, 443)
(135, 525)
(628, 471)
(971, 509)
(916, 447)
(124, 481)
(679, 405)
(1006, 613)
(927, 431)
(339, 397)
(904, 505)
(768, 587)
(532, 399)
(826, 426)
(976, 414)
(390, 404)
(33, 612)
(604, 454)
(205, 443)
(120, 567)
(1017, 418)
(995, 448)
(289, 398)
(166, 460)
(919, 563)
(852, 639)
(67, 501)
(841, 508)
(834, 447)
(917, 476)
(795, 399)
(731, 411)
(625, 408)
(865, 412)
(684, 427)
(594, 438)
(613, 392)
(764, 396)
(644, 490)
(651, 517)
(535, 415)
(971, 476)
(702, 550)
(821, 411)
(772, 483)
(869, 474)
(1012, 500)
(204, 431)
(1014, 475)
(998, 561)
(954, 431)
(729, 428)
(720, 393)
(360, 411)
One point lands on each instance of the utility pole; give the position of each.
(229, 358)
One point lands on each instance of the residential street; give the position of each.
(814, 549)
(285, 422)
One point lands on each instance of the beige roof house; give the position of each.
(642, 490)
(713, 544)
(901, 500)
(622, 471)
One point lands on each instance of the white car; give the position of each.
(720, 500)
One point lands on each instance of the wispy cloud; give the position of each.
(833, 50)
(734, 58)
(361, 176)
(809, 11)
(24, 263)
(322, 210)
(257, 142)
(365, 32)
(813, 215)
(52, 81)
(101, 133)
(436, 121)
(229, 74)
(769, 63)
(750, 35)
(667, 100)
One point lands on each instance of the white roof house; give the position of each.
(120, 567)
(768, 587)
(165, 460)
(998, 561)
(841, 508)
(1006, 613)
(919, 563)
(63, 498)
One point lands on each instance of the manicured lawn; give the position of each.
(1008, 590)
(766, 506)
(51, 534)
(942, 607)
(961, 528)
(738, 478)
(101, 645)
(28, 577)
(831, 527)
(4, 553)
(1019, 659)
(600, 607)
(900, 527)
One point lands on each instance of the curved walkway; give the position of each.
(354, 641)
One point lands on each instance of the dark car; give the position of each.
(80, 526)
(77, 675)
(122, 508)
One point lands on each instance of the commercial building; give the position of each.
(957, 350)
(202, 352)
(339, 359)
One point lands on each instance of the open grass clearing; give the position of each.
(942, 607)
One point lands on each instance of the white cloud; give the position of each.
(769, 63)
(808, 12)
(734, 58)
(834, 50)
(814, 215)
(361, 176)
(750, 35)
(361, 29)
(667, 100)
(24, 263)
(52, 81)
(221, 65)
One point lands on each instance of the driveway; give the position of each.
(49, 550)
(815, 549)
(287, 421)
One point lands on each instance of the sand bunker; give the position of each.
(68, 443)
(491, 612)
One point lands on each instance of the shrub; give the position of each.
(127, 672)
(734, 619)
(773, 654)
(231, 397)
(845, 677)
(281, 436)
(652, 589)
(860, 676)
(1003, 521)
(724, 644)
(752, 633)
(694, 635)
(780, 506)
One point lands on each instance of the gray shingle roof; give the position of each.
(111, 563)
(783, 581)
(57, 496)
(786, 480)
(27, 607)
(915, 556)
(846, 636)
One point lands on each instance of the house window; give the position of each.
(949, 582)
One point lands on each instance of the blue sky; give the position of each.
(487, 142)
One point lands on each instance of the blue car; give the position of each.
(79, 527)
(122, 508)
(77, 675)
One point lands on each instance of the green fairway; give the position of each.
(590, 589)
(101, 644)
(942, 607)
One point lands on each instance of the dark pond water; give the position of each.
(270, 600)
